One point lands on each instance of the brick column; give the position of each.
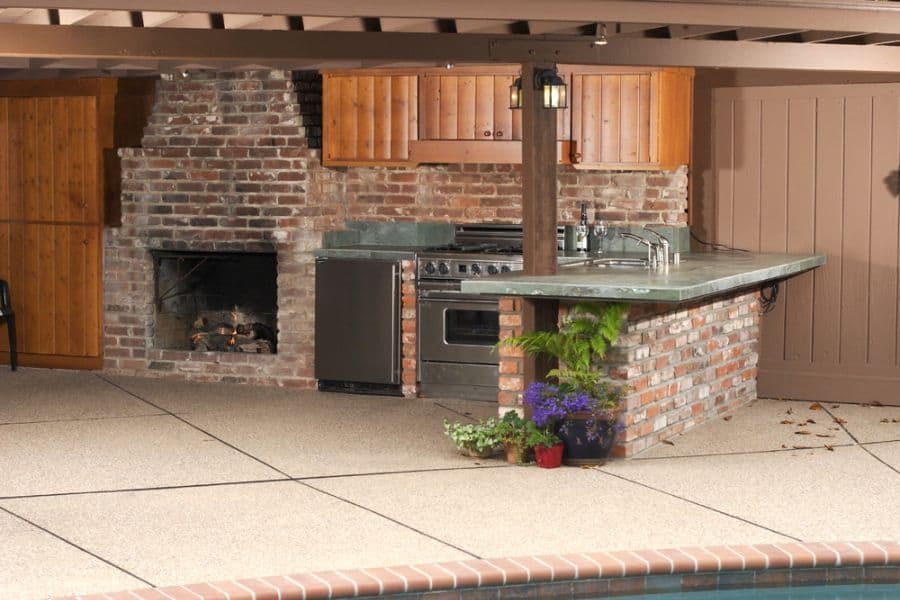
(512, 360)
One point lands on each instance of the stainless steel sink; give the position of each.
(619, 263)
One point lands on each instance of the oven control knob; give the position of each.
(443, 268)
(476, 269)
(505, 269)
(492, 269)
(429, 268)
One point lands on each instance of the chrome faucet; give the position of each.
(662, 248)
(652, 254)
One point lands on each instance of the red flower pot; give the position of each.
(548, 458)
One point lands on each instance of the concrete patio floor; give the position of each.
(112, 483)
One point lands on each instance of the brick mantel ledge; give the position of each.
(615, 573)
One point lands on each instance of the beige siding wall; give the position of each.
(814, 169)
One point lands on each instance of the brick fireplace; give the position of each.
(226, 167)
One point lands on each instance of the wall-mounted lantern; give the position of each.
(553, 88)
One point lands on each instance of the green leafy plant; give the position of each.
(512, 429)
(480, 439)
(580, 344)
(542, 436)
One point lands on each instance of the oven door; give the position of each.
(458, 328)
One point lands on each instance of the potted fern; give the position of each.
(581, 404)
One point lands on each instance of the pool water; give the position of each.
(865, 591)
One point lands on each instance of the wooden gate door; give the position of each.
(815, 169)
(51, 221)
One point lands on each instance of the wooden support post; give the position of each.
(539, 213)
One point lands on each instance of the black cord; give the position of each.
(768, 299)
(716, 246)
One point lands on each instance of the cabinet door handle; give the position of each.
(499, 134)
(487, 134)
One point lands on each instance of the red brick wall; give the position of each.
(225, 166)
(681, 365)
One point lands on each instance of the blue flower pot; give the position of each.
(588, 438)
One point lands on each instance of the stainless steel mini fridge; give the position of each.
(358, 325)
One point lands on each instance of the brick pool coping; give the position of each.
(581, 574)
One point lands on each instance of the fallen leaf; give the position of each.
(829, 448)
(802, 432)
(885, 420)
(784, 445)
(839, 420)
(477, 463)
(877, 403)
(789, 411)
(787, 422)
(810, 421)
(824, 435)
(728, 418)
(802, 447)
(835, 406)
(669, 442)
(815, 406)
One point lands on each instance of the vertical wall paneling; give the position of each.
(723, 149)
(773, 173)
(883, 262)
(813, 169)
(746, 229)
(797, 293)
(829, 225)
(855, 234)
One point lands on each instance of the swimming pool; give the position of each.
(817, 592)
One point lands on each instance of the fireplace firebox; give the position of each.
(216, 301)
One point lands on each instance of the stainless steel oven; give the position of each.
(458, 332)
(457, 338)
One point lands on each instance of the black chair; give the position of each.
(6, 314)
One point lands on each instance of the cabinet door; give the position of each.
(368, 119)
(468, 107)
(51, 225)
(632, 120)
(614, 117)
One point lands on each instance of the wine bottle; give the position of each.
(581, 230)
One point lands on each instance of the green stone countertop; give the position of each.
(369, 252)
(699, 274)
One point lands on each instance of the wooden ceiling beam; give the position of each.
(695, 31)
(749, 34)
(268, 47)
(864, 16)
(815, 37)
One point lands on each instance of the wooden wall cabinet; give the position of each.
(59, 186)
(370, 117)
(618, 118)
(464, 117)
(631, 119)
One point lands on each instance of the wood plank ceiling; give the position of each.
(76, 37)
